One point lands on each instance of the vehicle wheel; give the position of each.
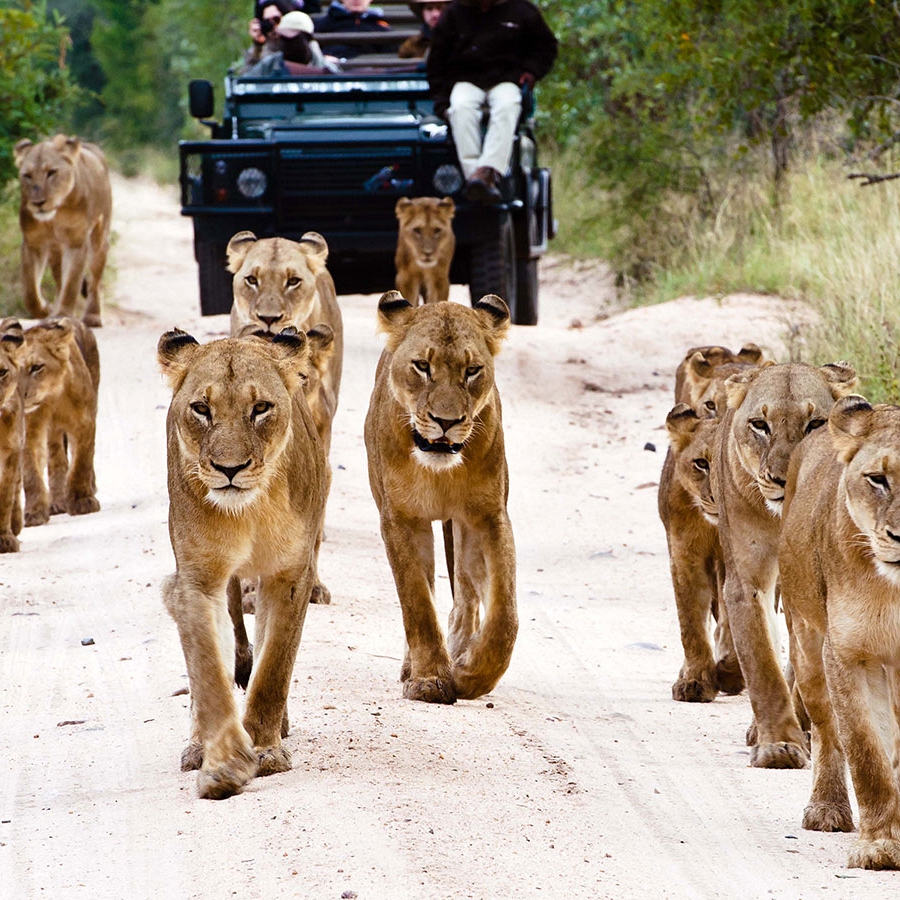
(215, 279)
(494, 266)
(526, 307)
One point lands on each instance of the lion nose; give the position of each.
(230, 471)
(270, 320)
(446, 424)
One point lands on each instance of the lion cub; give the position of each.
(434, 439)
(65, 214)
(839, 557)
(771, 409)
(60, 375)
(247, 485)
(12, 435)
(425, 247)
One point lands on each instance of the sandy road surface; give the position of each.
(578, 777)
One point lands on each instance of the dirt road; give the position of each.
(578, 777)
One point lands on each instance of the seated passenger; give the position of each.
(262, 30)
(300, 54)
(428, 11)
(351, 17)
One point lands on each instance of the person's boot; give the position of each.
(484, 187)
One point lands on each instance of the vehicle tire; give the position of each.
(494, 265)
(215, 279)
(526, 306)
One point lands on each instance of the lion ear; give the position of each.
(174, 351)
(11, 332)
(316, 249)
(69, 147)
(750, 353)
(449, 207)
(21, 150)
(494, 313)
(291, 350)
(849, 423)
(238, 248)
(736, 385)
(841, 378)
(402, 205)
(681, 423)
(394, 315)
(321, 337)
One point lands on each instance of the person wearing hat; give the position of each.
(428, 11)
(352, 17)
(483, 52)
(300, 54)
(264, 37)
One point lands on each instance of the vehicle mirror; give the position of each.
(201, 103)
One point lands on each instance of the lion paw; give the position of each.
(320, 594)
(9, 543)
(728, 676)
(828, 817)
(273, 760)
(430, 690)
(82, 506)
(192, 757)
(781, 755)
(694, 690)
(39, 516)
(883, 853)
(243, 666)
(225, 781)
(58, 507)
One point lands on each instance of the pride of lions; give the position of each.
(778, 492)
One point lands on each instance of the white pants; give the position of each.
(467, 104)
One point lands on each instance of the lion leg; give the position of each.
(11, 503)
(81, 497)
(57, 470)
(37, 497)
(466, 583)
(34, 261)
(74, 263)
(829, 803)
(491, 553)
(99, 250)
(243, 651)
(281, 606)
(426, 671)
(780, 743)
(695, 591)
(854, 694)
(219, 743)
(729, 678)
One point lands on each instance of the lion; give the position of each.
(65, 214)
(434, 439)
(425, 247)
(839, 556)
(12, 435)
(701, 374)
(60, 377)
(247, 483)
(770, 410)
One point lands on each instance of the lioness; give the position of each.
(434, 439)
(247, 485)
(60, 375)
(705, 367)
(425, 247)
(770, 410)
(65, 214)
(839, 557)
(12, 435)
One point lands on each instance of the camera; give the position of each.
(266, 26)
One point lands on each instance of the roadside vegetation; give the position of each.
(698, 148)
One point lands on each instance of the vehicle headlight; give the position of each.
(252, 183)
(448, 179)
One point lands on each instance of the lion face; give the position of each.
(693, 441)
(46, 173)
(230, 416)
(275, 280)
(775, 408)
(426, 227)
(44, 360)
(442, 370)
(868, 442)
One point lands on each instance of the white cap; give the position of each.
(295, 22)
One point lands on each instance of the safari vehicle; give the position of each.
(333, 153)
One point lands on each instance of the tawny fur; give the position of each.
(12, 435)
(425, 248)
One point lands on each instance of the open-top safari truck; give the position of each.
(333, 153)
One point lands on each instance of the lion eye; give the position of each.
(37, 367)
(201, 409)
(814, 424)
(252, 280)
(878, 481)
(701, 464)
(710, 405)
(417, 232)
(293, 281)
(260, 408)
(472, 371)
(4, 373)
(760, 426)
(51, 173)
(422, 365)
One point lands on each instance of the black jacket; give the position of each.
(339, 19)
(487, 48)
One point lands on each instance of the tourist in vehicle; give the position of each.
(428, 11)
(263, 30)
(483, 52)
(300, 53)
(352, 17)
